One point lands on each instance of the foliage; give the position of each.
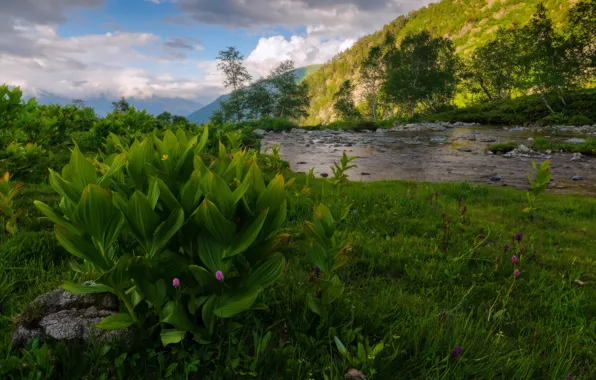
(361, 354)
(344, 105)
(8, 214)
(543, 176)
(503, 147)
(421, 73)
(328, 251)
(212, 227)
(340, 177)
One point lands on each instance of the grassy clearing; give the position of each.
(425, 275)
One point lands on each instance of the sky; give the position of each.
(168, 48)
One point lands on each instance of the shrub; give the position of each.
(554, 119)
(205, 235)
(579, 120)
(502, 148)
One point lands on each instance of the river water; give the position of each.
(451, 155)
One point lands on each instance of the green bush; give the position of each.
(206, 235)
(502, 148)
(580, 120)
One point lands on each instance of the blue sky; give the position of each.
(167, 48)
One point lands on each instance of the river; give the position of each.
(446, 155)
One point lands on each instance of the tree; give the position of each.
(548, 68)
(259, 100)
(121, 106)
(235, 106)
(290, 99)
(373, 72)
(165, 117)
(582, 35)
(344, 105)
(236, 76)
(422, 72)
(495, 68)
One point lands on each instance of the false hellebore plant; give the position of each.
(205, 237)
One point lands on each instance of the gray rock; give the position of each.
(465, 149)
(523, 149)
(324, 175)
(297, 130)
(530, 139)
(577, 157)
(62, 316)
(260, 132)
(495, 178)
(577, 178)
(439, 139)
(487, 139)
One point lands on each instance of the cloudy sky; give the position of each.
(167, 48)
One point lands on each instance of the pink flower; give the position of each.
(514, 259)
(219, 275)
(176, 283)
(516, 273)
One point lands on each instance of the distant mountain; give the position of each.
(154, 105)
(468, 23)
(202, 115)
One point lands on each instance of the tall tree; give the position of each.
(422, 72)
(290, 99)
(259, 100)
(372, 74)
(582, 35)
(344, 105)
(547, 66)
(236, 77)
(495, 68)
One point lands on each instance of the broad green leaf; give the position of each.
(340, 346)
(175, 314)
(81, 247)
(153, 194)
(204, 140)
(117, 164)
(273, 196)
(86, 289)
(218, 226)
(191, 192)
(314, 304)
(98, 215)
(318, 256)
(208, 313)
(203, 276)
(115, 322)
(166, 196)
(268, 271)
(166, 231)
(49, 213)
(246, 238)
(239, 301)
(217, 190)
(316, 233)
(141, 218)
(272, 225)
(361, 352)
(64, 188)
(170, 336)
(82, 170)
(211, 253)
(139, 155)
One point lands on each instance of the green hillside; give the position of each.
(468, 23)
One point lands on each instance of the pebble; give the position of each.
(576, 157)
(495, 178)
(577, 178)
(465, 149)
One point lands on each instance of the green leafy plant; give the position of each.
(543, 176)
(339, 170)
(209, 230)
(274, 161)
(8, 192)
(328, 251)
(358, 351)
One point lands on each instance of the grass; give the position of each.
(424, 277)
(503, 147)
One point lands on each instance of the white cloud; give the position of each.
(302, 50)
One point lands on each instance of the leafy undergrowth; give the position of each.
(431, 270)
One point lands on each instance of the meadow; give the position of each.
(295, 276)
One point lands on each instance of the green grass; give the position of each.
(503, 147)
(419, 287)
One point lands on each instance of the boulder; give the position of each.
(62, 316)
(260, 132)
(577, 178)
(297, 130)
(577, 157)
(576, 141)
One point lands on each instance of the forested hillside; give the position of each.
(469, 24)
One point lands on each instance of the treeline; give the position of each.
(422, 74)
(276, 96)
